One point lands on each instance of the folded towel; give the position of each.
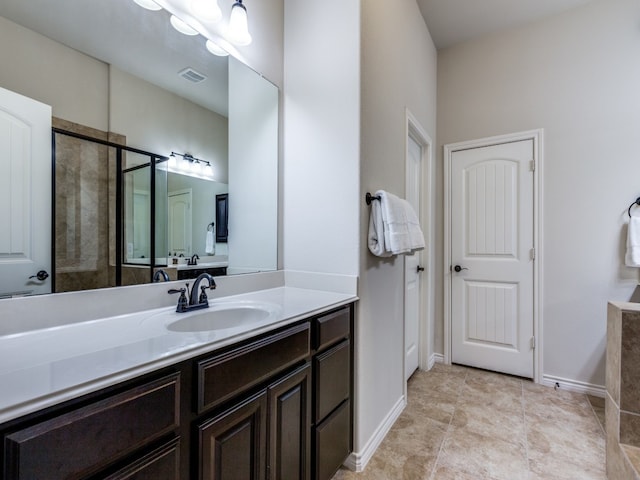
(210, 246)
(375, 238)
(632, 258)
(393, 226)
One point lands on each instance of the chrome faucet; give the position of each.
(160, 274)
(194, 301)
(193, 260)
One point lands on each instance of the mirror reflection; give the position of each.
(119, 81)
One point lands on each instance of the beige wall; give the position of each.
(75, 85)
(159, 121)
(398, 72)
(577, 76)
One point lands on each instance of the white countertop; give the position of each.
(41, 368)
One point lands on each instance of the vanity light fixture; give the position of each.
(216, 49)
(207, 10)
(149, 5)
(190, 165)
(181, 26)
(238, 32)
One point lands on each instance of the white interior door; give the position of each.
(492, 257)
(25, 195)
(180, 222)
(412, 264)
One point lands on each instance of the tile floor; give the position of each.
(467, 424)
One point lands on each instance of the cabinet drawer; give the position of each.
(332, 442)
(161, 464)
(102, 432)
(226, 375)
(332, 379)
(331, 328)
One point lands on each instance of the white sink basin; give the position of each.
(224, 316)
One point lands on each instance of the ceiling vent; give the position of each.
(192, 75)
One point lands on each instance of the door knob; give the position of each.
(42, 275)
(419, 269)
(458, 268)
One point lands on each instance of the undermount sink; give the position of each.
(225, 316)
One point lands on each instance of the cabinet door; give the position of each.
(289, 426)
(233, 444)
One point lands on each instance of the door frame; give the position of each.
(538, 149)
(427, 221)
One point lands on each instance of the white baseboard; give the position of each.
(574, 385)
(358, 460)
(435, 358)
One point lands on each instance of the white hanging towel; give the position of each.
(375, 239)
(210, 246)
(394, 228)
(632, 258)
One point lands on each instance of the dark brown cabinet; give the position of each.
(81, 442)
(332, 381)
(233, 444)
(290, 426)
(274, 407)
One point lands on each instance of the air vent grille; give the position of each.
(192, 75)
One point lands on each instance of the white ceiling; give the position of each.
(455, 21)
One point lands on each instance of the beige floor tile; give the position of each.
(491, 396)
(561, 467)
(483, 456)
(445, 473)
(467, 424)
(503, 424)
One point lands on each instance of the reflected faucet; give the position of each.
(160, 274)
(194, 302)
(193, 260)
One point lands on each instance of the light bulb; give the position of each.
(172, 162)
(238, 32)
(216, 49)
(149, 5)
(207, 10)
(181, 26)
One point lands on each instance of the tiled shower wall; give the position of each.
(84, 230)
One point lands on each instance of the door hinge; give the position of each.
(533, 343)
(532, 254)
(532, 165)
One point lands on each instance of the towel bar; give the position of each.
(637, 202)
(370, 198)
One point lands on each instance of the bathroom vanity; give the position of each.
(272, 400)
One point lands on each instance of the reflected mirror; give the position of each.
(126, 90)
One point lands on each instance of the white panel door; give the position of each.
(411, 264)
(492, 257)
(25, 195)
(180, 223)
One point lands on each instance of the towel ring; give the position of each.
(210, 227)
(637, 202)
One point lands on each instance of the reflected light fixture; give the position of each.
(238, 32)
(181, 26)
(207, 10)
(216, 49)
(149, 5)
(190, 165)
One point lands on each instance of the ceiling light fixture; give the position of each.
(216, 49)
(181, 26)
(207, 10)
(238, 32)
(149, 5)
